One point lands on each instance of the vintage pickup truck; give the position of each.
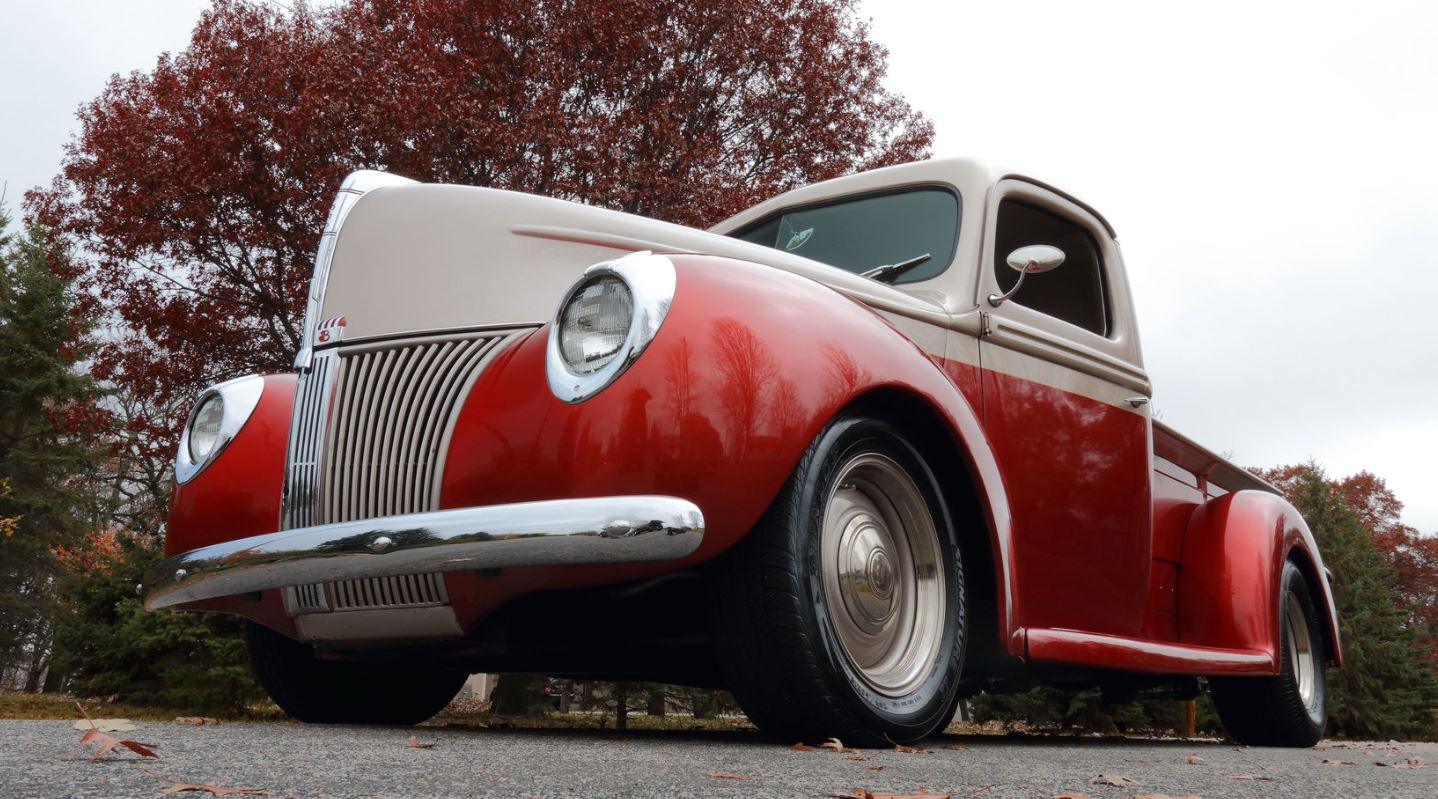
(865, 449)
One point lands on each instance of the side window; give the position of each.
(1074, 292)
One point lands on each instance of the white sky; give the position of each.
(1272, 170)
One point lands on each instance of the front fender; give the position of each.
(750, 364)
(238, 495)
(1231, 571)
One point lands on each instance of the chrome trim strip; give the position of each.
(355, 185)
(561, 532)
(238, 399)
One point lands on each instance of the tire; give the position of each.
(347, 692)
(871, 655)
(1288, 709)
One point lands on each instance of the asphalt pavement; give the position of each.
(39, 759)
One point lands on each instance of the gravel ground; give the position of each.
(291, 760)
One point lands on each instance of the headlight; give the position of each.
(605, 322)
(594, 324)
(218, 415)
(205, 427)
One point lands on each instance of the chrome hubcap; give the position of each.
(882, 575)
(1303, 658)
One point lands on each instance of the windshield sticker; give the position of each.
(799, 239)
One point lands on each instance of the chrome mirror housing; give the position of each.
(1031, 260)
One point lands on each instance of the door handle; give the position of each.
(1137, 402)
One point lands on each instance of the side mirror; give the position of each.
(1031, 260)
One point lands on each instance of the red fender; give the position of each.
(749, 365)
(238, 495)
(1232, 565)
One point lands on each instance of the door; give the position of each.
(1065, 407)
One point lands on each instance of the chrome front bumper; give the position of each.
(558, 532)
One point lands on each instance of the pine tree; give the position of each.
(1387, 688)
(45, 406)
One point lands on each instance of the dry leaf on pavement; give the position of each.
(719, 775)
(1072, 796)
(1110, 779)
(857, 757)
(860, 793)
(802, 747)
(956, 747)
(1165, 796)
(1331, 762)
(196, 720)
(415, 744)
(108, 743)
(874, 768)
(902, 748)
(213, 790)
(836, 745)
(1257, 777)
(1412, 762)
(1194, 760)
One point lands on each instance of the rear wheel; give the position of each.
(347, 692)
(1288, 709)
(842, 613)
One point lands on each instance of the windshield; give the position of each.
(858, 235)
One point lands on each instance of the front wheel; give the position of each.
(842, 614)
(1288, 709)
(347, 692)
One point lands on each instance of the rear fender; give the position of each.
(1231, 571)
(750, 364)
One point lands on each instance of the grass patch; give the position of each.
(19, 705)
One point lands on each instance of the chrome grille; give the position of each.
(368, 593)
(371, 424)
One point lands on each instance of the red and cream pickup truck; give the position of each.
(865, 449)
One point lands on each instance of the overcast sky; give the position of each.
(1271, 169)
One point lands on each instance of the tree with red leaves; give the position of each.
(194, 194)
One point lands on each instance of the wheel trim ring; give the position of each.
(872, 491)
(1302, 656)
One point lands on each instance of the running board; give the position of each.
(1132, 654)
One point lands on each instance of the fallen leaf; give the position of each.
(106, 725)
(1194, 760)
(919, 794)
(196, 720)
(214, 790)
(874, 768)
(902, 748)
(415, 744)
(1165, 796)
(857, 757)
(1328, 762)
(1256, 777)
(836, 745)
(802, 747)
(1107, 779)
(956, 747)
(719, 775)
(1412, 762)
(107, 743)
(1072, 796)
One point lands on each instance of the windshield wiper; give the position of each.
(889, 272)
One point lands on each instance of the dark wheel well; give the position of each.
(944, 453)
(1311, 576)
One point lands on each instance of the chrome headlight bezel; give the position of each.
(238, 399)
(651, 280)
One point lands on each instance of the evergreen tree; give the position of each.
(1387, 688)
(46, 404)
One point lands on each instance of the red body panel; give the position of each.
(749, 365)
(239, 494)
(1233, 556)
(1077, 472)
